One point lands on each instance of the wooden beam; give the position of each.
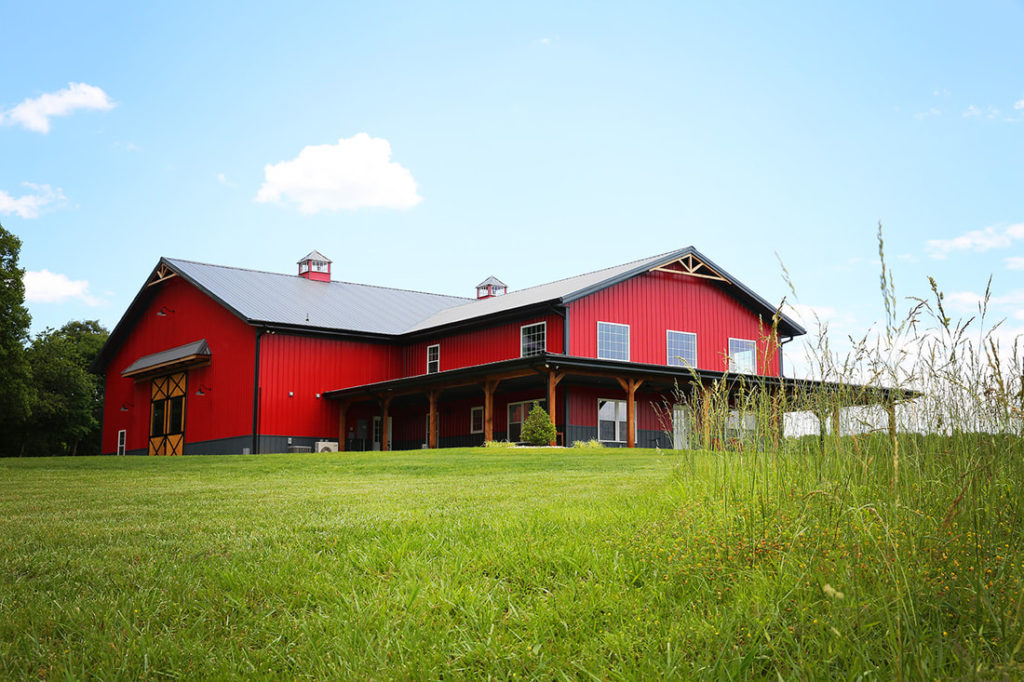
(630, 386)
(553, 379)
(342, 432)
(489, 386)
(432, 438)
(385, 406)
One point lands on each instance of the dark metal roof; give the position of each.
(660, 375)
(197, 350)
(315, 255)
(272, 298)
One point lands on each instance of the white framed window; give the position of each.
(613, 341)
(476, 419)
(122, 437)
(611, 421)
(742, 356)
(533, 339)
(517, 413)
(681, 348)
(434, 359)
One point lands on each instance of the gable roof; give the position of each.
(274, 299)
(288, 300)
(314, 255)
(573, 288)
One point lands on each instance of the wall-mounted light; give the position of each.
(291, 394)
(125, 406)
(164, 310)
(318, 395)
(204, 389)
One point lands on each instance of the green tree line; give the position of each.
(50, 402)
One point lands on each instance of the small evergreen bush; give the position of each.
(538, 429)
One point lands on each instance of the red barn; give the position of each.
(214, 359)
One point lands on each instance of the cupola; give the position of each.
(491, 287)
(315, 266)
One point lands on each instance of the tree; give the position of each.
(16, 394)
(67, 410)
(538, 429)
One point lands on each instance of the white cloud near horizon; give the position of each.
(51, 287)
(1019, 104)
(35, 114)
(968, 301)
(357, 172)
(1014, 263)
(29, 206)
(976, 240)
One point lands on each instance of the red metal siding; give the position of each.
(655, 302)
(305, 366)
(583, 406)
(190, 315)
(479, 346)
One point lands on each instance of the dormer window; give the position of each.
(315, 266)
(491, 287)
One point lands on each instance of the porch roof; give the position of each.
(574, 366)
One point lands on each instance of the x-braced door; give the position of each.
(167, 415)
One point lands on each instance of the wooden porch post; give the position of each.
(630, 386)
(385, 406)
(342, 434)
(553, 379)
(489, 387)
(432, 439)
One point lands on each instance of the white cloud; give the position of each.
(1014, 263)
(35, 114)
(223, 179)
(976, 240)
(50, 287)
(1019, 104)
(29, 205)
(968, 301)
(972, 112)
(355, 173)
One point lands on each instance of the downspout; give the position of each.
(256, 396)
(563, 312)
(781, 344)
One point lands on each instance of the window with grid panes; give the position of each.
(681, 348)
(612, 341)
(533, 339)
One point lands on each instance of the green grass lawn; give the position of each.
(512, 564)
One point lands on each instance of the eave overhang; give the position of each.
(657, 375)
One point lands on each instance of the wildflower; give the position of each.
(832, 592)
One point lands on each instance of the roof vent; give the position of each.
(491, 287)
(315, 266)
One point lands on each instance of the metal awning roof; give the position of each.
(180, 357)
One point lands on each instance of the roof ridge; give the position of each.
(581, 275)
(333, 281)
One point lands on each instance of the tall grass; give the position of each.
(902, 513)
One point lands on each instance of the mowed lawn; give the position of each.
(480, 562)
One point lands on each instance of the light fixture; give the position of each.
(291, 394)
(164, 310)
(125, 406)
(204, 389)
(317, 395)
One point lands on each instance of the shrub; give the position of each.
(592, 443)
(538, 429)
(497, 444)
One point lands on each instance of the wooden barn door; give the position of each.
(167, 415)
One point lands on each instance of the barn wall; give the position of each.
(655, 302)
(479, 346)
(190, 315)
(294, 369)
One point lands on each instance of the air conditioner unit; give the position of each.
(327, 446)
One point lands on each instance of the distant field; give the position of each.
(516, 564)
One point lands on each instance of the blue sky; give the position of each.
(427, 146)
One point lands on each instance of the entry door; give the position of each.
(167, 415)
(680, 427)
(377, 435)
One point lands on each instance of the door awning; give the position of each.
(182, 357)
